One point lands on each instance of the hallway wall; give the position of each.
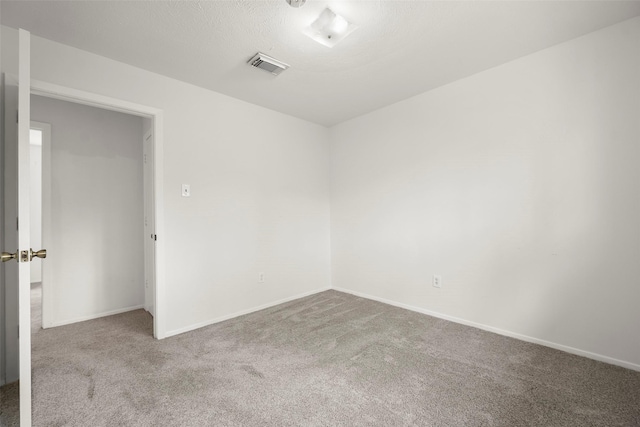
(96, 252)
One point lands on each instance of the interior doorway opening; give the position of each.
(155, 160)
(96, 165)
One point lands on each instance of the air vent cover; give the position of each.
(267, 63)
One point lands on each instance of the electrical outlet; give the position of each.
(437, 281)
(260, 277)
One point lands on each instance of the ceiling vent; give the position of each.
(267, 63)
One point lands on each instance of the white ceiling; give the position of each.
(401, 48)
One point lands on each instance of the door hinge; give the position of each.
(17, 223)
(17, 116)
(154, 237)
(18, 331)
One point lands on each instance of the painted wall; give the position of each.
(519, 185)
(96, 210)
(35, 229)
(259, 188)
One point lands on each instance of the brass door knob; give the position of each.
(42, 253)
(6, 256)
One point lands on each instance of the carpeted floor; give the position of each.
(10, 405)
(325, 360)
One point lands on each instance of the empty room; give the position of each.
(341, 213)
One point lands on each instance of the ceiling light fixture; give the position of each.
(330, 28)
(296, 3)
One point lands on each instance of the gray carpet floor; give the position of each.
(10, 405)
(325, 360)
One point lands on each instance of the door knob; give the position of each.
(42, 253)
(6, 256)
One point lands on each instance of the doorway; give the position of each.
(152, 140)
(95, 231)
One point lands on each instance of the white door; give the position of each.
(17, 252)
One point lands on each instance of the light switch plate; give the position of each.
(186, 190)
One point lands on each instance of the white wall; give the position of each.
(35, 229)
(519, 185)
(259, 183)
(96, 210)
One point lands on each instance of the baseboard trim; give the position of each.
(561, 347)
(93, 316)
(241, 313)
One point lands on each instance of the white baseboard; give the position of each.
(567, 349)
(241, 313)
(92, 316)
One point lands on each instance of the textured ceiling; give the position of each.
(401, 48)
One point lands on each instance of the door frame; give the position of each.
(77, 96)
